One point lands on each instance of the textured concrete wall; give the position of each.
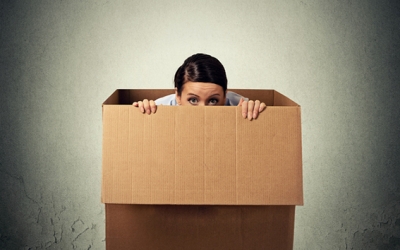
(60, 59)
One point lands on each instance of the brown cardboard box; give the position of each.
(201, 177)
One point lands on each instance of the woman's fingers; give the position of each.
(240, 101)
(146, 106)
(140, 105)
(244, 107)
(250, 108)
(153, 106)
(256, 109)
(262, 107)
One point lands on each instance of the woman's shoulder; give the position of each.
(166, 100)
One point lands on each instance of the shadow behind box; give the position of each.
(160, 202)
(199, 227)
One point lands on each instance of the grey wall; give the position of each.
(59, 60)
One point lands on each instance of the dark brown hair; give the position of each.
(200, 68)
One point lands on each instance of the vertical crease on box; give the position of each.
(130, 148)
(300, 153)
(113, 172)
(236, 156)
(204, 155)
(151, 162)
(175, 115)
(119, 150)
(143, 160)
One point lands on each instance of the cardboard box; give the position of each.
(201, 177)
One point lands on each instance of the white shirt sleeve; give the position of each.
(168, 100)
(233, 99)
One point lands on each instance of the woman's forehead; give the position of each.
(202, 88)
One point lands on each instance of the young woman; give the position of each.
(201, 81)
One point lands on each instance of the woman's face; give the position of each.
(201, 94)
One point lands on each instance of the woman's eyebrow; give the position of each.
(193, 94)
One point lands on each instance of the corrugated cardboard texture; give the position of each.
(199, 227)
(201, 155)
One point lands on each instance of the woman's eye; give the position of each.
(213, 101)
(192, 101)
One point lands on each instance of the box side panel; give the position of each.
(150, 94)
(269, 166)
(159, 155)
(138, 155)
(186, 156)
(189, 155)
(113, 98)
(122, 96)
(220, 156)
(199, 227)
(116, 168)
(281, 100)
(128, 96)
(266, 96)
(134, 140)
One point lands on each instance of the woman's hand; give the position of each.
(251, 109)
(146, 106)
